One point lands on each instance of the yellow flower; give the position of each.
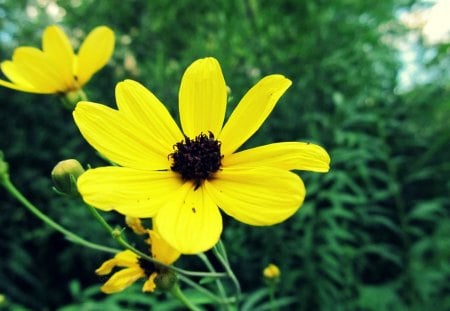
(56, 68)
(271, 272)
(136, 268)
(181, 178)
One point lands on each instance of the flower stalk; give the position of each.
(11, 188)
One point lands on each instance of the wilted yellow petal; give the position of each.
(149, 285)
(135, 224)
(123, 259)
(122, 279)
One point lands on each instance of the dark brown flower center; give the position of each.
(148, 266)
(197, 159)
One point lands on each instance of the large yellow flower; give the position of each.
(181, 178)
(136, 268)
(56, 68)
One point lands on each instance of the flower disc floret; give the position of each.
(147, 266)
(197, 159)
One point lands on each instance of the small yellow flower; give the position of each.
(136, 268)
(181, 179)
(271, 272)
(56, 68)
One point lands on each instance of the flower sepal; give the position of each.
(165, 280)
(70, 99)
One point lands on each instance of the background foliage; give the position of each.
(373, 234)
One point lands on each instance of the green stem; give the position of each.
(272, 297)
(177, 293)
(220, 252)
(210, 267)
(118, 236)
(205, 291)
(9, 186)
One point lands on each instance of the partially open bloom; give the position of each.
(136, 268)
(182, 178)
(56, 68)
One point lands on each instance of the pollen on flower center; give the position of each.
(197, 159)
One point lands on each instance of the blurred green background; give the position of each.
(373, 234)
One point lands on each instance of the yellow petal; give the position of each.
(117, 138)
(123, 259)
(19, 80)
(56, 46)
(190, 222)
(202, 98)
(106, 267)
(122, 279)
(149, 285)
(19, 87)
(161, 250)
(251, 112)
(140, 105)
(131, 192)
(39, 69)
(94, 53)
(287, 155)
(136, 225)
(257, 196)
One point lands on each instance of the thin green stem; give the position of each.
(177, 293)
(272, 297)
(9, 186)
(220, 252)
(210, 267)
(205, 291)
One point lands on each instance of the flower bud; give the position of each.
(65, 175)
(165, 280)
(271, 272)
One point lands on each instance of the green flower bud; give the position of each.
(65, 175)
(165, 280)
(70, 99)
